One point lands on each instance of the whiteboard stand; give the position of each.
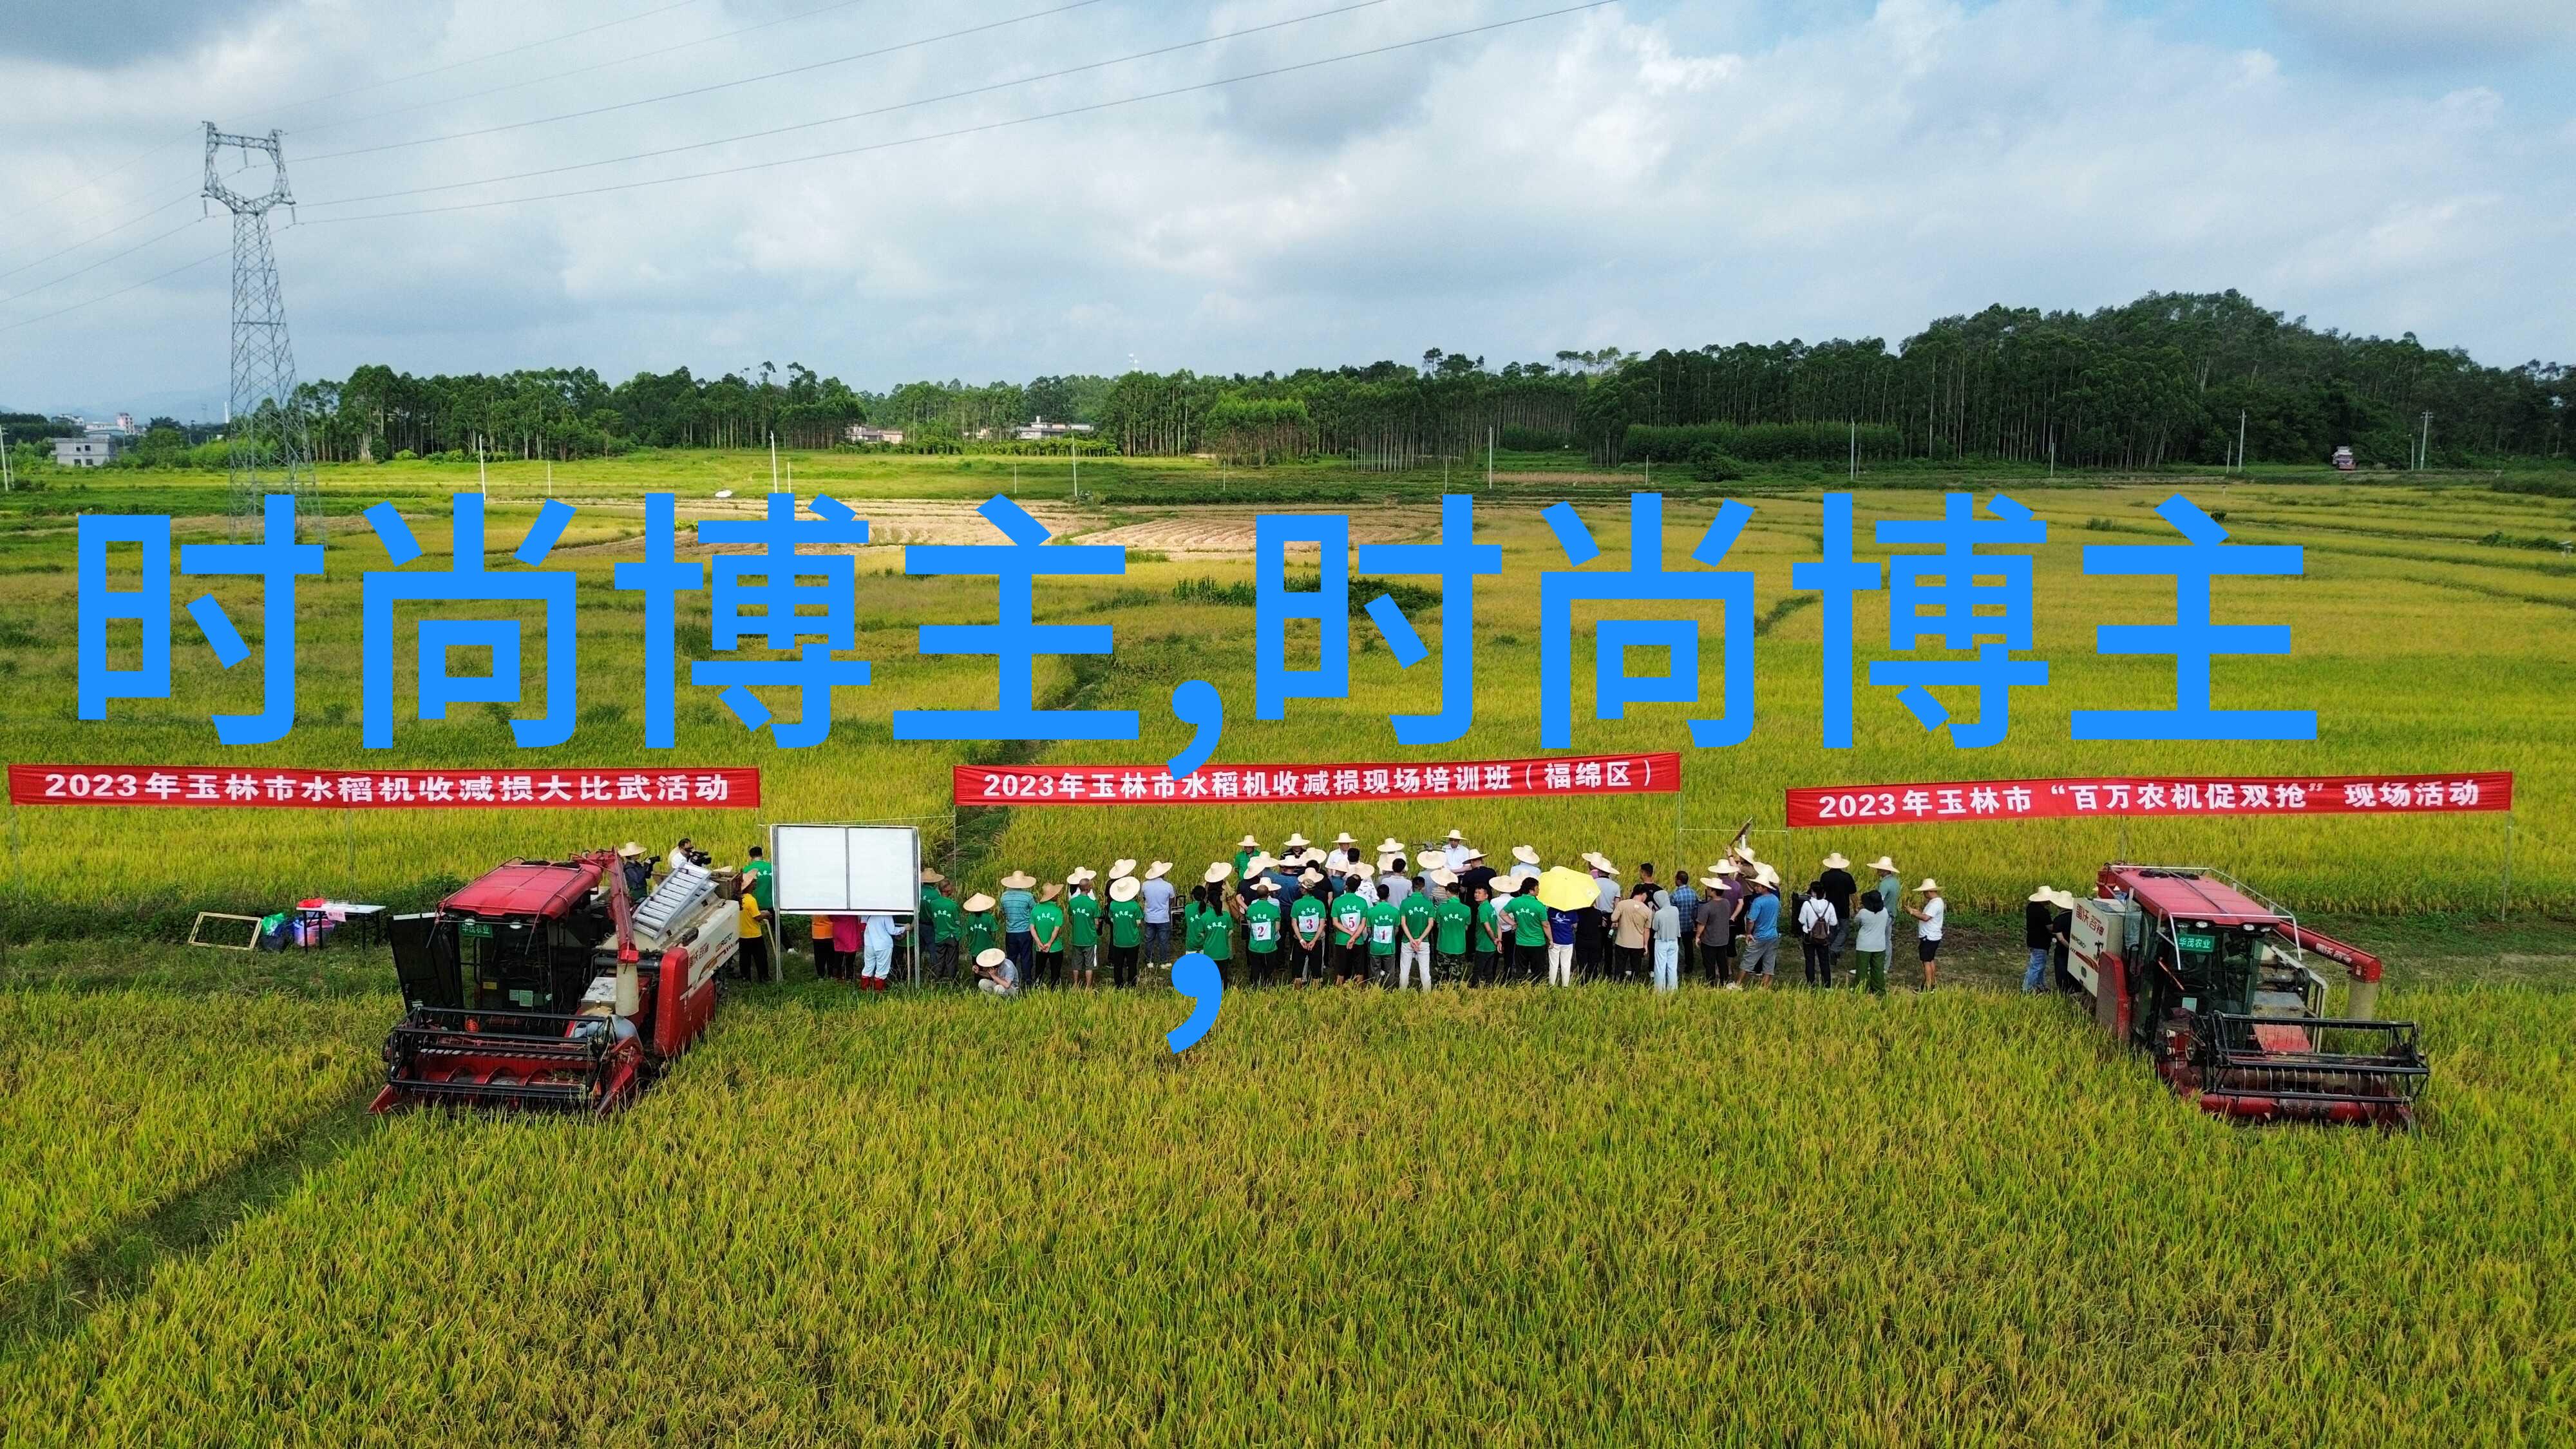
(849, 870)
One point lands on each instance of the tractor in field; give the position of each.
(541, 986)
(2212, 980)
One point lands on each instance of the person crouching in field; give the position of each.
(976, 928)
(1306, 918)
(1126, 929)
(1870, 927)
(1928, 920)
(994, 974)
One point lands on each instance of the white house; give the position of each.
(88, 450)
(862, 433)
(1041, 430)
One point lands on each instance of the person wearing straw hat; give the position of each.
(939, 926)
(1047, 927)
(1342, 862)
(1350, 934)
(1889, 885)
(1126, 916)
(1244, 850)
(2062, 928)
(1529, 927)
(1415, 915)
(1840, 887)
(994, 974)
(1524, 866)
(1261, 919)
(1453, 854)
(1592, 928)
(1686, 910)
(1870, 928)
(1017, 941)
(977, 929)
(1719, 911)
(2038, 937)
(1928, 919)
(1306, 925)
(1476, 875)
(1082, 918)
(1762, 926)
(1219, 927)
(1157, 896)
(1122, 866)
(637, 867)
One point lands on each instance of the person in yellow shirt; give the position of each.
(751, 957)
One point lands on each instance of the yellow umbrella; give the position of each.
(1560, 889)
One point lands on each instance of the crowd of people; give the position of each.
(1337, 914)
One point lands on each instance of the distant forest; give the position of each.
(2162, 380)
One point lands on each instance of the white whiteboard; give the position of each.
(845, 869)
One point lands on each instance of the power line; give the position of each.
(477, 59)
(974, 130)
(103, 261)
(704, 89)
(99, 236)
(119, 292)
(576, 70)
(855, 115)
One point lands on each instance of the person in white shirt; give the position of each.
(1392, 882)
(1455, 855)
(1927, 925)
(678, 857)
(1817, 922)
(878, 945)
(1869, 943)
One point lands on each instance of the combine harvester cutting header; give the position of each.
(2212, 979)
(530, 988)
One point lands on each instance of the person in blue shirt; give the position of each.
(1018, 942)
(1686, 903)
(1762, 926)
(1562, 927)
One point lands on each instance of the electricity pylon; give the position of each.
(271, 449)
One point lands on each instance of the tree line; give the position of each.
(2172, 378)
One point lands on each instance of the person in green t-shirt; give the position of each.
(1261, 933)
(756, 879)
(1046, 928)
(1414, 916)
(1529, 930)
(1350, 937)
(1126, 929)
(1306, 931)
(939, 913)
(1216, 935)
(1082, 908)
(979, 931)
(1244, 851)
(1452, 916)
(1488, 940)
(1385, 920)
(1194, 920)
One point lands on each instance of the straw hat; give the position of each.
(1296, 841)
(1474, 854)
(978, 902)
(932, 877)
(1930, 887)
(1344, 839)
(990, 957)
(1050, 891)
(1249, 842)
(1725, 868)
(1525, 855)
(1080, 874)
(1836, 861)
(630, 850)
(1764, 875)
(1312, 877)
(1121, 866)
(1432, 859)
(1158, 870)
(1599, 862)
(2042, 896)
(1883, 864)
(2063, 900)
(1259, 865)
(1125, 888)
(1458, 837)
(1018, 880)
(1263, 883)
(1386, 863)
(1714, 883)
(1442, 876)
(1744, 852)
(1219, 871)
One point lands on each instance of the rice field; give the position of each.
(1518, 1217)
(2420, 644)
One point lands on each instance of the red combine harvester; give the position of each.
(527, 988)
(2212, 979)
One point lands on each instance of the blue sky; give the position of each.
(1640, 174)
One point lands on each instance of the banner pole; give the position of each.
(2504, 901)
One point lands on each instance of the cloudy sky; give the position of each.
(1639, 174)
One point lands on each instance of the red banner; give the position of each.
(2152, 795)
(1658, 774)
(216, 787)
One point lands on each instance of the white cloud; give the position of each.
(2411, 31)
(1597, 179)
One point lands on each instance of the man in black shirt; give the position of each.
(2039, 934)
(1839, 888)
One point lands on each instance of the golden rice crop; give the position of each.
(113, 1103)
(1515, 1217)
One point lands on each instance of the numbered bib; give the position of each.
(1261, 930)
(1382, 934)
